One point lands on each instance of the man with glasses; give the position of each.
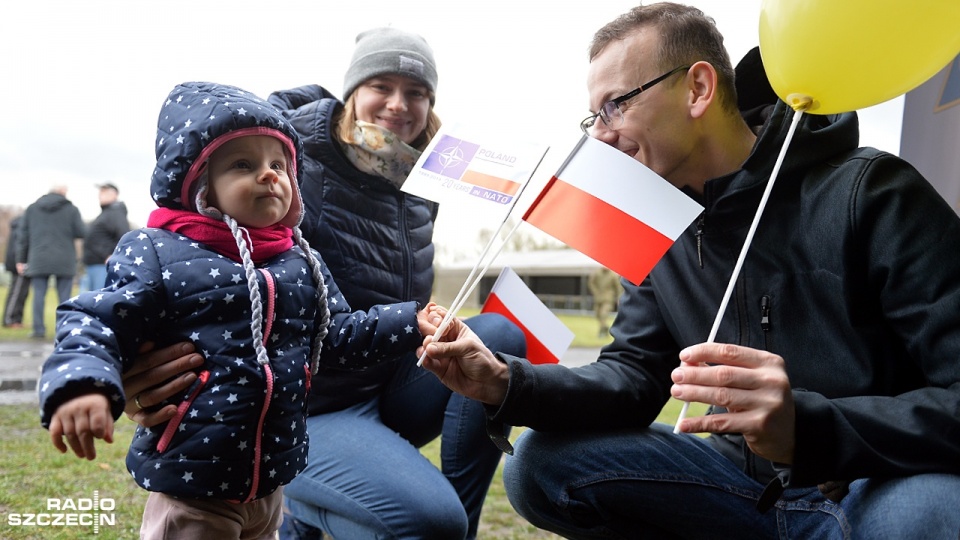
(835, 376)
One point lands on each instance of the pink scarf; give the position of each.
(264, 243)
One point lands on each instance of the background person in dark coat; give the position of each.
(17, 293)
(103, 233)
(45, 248)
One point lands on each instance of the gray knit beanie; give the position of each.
(383, 51)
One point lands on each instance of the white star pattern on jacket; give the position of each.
(248, 406)
(168, 288)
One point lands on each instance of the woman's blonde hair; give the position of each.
(347, 118)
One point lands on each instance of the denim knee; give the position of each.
(521, 472)
(921, 506)
(498, 333)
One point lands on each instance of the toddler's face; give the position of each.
(249, 181)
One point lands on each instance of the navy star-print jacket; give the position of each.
(239, 434)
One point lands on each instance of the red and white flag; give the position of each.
(613, 209)
(547, 337)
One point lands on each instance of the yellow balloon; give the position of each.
(832, 56)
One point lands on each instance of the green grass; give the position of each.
(34, 471)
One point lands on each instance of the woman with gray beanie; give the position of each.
(365, 476)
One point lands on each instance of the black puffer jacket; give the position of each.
(376, 240)
(853, 278)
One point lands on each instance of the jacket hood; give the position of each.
(817, 137)
(817, 141)
(51, 202)
(197, 118)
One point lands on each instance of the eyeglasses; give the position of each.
(610, 112)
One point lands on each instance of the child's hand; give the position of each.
(429, 319)
(81, 420)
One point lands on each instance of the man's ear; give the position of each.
(702, 84)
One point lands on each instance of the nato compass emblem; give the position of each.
(450, 157)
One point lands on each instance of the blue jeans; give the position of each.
(365, 477)
(94, 278)
(651, 483)
(39, 286)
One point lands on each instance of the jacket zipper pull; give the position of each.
(699, 236)
(765, 313)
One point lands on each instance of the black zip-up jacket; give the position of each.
(852, 277)
(104, 232)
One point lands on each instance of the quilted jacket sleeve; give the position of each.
(359, 339)
(99, 332)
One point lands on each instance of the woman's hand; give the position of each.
(157, 375)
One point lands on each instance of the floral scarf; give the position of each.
(378, 151)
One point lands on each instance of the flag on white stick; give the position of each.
(931, 129)
(613, 209)
(547, 337)
(464, 166)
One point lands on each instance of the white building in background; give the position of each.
(558, 277)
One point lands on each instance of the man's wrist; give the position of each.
(501, 383)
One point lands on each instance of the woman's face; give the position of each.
(394, 102)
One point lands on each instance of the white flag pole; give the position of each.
(451, 312)
(457, 305)
(746, 246)
(475, 273)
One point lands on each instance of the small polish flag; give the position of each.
(547, 337)
(613, 209)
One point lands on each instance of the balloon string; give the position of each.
(746, 246)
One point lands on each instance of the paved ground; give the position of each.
(20, 363)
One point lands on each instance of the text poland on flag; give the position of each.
(462, 166)
(613, 209)
(547, 337)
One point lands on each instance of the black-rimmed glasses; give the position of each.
(610, 112)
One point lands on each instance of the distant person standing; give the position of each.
(45, 247)
(17, 293)
(604, 286)
(103, 233)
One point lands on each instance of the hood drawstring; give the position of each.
(242, 236)
(256, 315)
(249, 241)
(321, 332)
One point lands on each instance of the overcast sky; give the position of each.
(83, 81)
